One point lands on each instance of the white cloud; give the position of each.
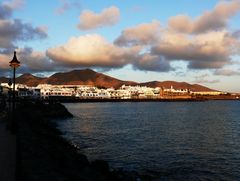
(90, 20)
(147, 46)
(143, 34)
(211, 20)
(93, 51)
(209, 50)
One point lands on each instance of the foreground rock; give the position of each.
(7, 150)
(44, 155)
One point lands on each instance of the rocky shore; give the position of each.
(42, 154)
(7, 150)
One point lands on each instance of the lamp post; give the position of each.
(14, 64)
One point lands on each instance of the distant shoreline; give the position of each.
(74, 100)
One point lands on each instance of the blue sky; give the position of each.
(192, 41)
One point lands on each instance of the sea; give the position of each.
(166, 140)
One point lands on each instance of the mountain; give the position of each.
(86, 77)
(29, 79)
(4, 79)
(90, 77)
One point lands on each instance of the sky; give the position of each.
(186, 41)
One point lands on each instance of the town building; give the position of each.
(48, 91)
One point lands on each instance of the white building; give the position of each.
(207, 93)
(48, 90)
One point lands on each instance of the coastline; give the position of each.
(74, 100)
(43, 154)
(69, 99)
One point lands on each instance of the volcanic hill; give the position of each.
(90, 77)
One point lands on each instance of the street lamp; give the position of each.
(14, 64)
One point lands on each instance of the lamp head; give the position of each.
(14, 63)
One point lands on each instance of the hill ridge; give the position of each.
(93, 78)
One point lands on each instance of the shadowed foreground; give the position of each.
(44, 155)
(7, 151)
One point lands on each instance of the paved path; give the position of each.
(7, 153)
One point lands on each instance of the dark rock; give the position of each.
(100, 165)
(43, 154)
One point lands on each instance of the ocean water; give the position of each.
(168, 140)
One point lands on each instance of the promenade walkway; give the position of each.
(7, 153)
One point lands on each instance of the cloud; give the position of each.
(5, 11)
(151, 47)
(211, 20)
(90, 20)
(15, 30)
(199, 42)
(147, 46)
(148, 62)
(92, 51)
(203, 79)
(66, 5)
(6, 8)
(227, 72)
(95, 51)
(142, 34)
(34, 61)
(14, 4)
(236, 34)
(206, 51)
(4, 63)
(30, 61)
